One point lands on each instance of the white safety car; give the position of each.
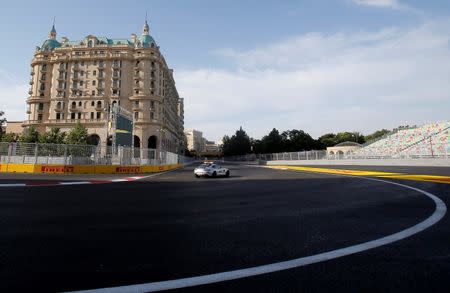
(209, 169)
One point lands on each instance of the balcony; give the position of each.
(76, 77)
(76, 68)
(116, 65)
(101, 76)
(115, 76)
(61, 77)
(61, 69)
(115, 86)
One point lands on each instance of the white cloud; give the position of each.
(13, 95)
(359, 81)
(395, 4)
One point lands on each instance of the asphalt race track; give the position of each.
(172, 226)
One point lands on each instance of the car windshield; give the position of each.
(204, 165)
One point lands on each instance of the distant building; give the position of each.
(14, 127)
(78, 81)
(211, 147)
(195, 140)
(343, 148)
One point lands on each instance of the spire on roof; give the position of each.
(52, 34)
(146, 29)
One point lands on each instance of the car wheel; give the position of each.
(214, 174)
(197, 176)
(227, 174)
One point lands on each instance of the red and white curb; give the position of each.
(65, 183)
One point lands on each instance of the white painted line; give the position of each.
(438, 214)
(13, 185)
(75, 183)
(119, 180)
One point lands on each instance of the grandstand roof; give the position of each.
(348, 143)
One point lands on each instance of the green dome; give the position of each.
(147, 41)
(50, 44)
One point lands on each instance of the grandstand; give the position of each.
(428, 140)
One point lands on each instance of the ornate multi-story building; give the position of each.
(79, 81)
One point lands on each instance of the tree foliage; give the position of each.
(30, 135)
(238, 144)
(78, 135)
(377, 134)
(54, 135)
(2, 121)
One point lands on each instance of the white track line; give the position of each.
(438, 214)
(126, 179)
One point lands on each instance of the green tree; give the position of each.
(54, 135)
(29, 135)
(9, 137)
(238, 144)
(273, 142)
(2, 121)
(376, 135)
(297, 140)
(328, 139)
(78, 135)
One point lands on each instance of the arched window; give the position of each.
(74, 105)
(99, 104)
(58, 105)
(90, 43)
(93, 139)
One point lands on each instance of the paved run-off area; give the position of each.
(172, 226)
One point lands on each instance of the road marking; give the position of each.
(378, 174)
(58, 183)
(438, 214)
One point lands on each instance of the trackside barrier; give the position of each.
(85, 169)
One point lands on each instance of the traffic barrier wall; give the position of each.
(84, 169)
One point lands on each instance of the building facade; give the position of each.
(195, 141)
(79, 81)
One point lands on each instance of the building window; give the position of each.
(94, 72)
(58, 116)
(42, 87)
(41, 106)
(93, 94)
(92, 115)
(80, 104)
(39, 117)
(152, 115)
(152, 104)
(92, 103)
(58, 105)
(72, 116)
(99, 104)
(93, 82)
(79, 116)
(136, 103)
(44, 67)
(95, 63)
(114, 92)
(136, 115)
(90, 43)
(99, 115)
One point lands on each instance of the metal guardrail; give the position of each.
(441, 152)
(61, 154)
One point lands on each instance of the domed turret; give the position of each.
(51, 43)
(145, 39)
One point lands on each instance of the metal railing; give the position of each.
(61, 154)
(439, 151)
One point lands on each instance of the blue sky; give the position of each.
(316, 65)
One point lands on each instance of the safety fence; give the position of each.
(443, 153)
(61, 154)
